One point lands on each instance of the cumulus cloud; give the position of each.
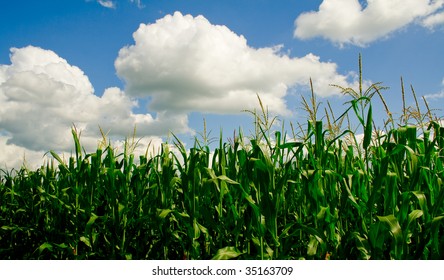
(43, 96)
(348, 22)
(13, 156)
(180, 64)
(437, 95)
(185, 63)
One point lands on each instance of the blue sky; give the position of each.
(166, 65)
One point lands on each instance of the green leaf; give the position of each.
(415, 214)
(45, 246)
(226, 179)
(362, 245)
(322, 213)
(393, 225)
(422, 199)
(8, 228)
(86, 241)
(91, 220)
(196, 230)
(62, 246)
(121, 207)
(259, 164)
(368, 128)
(57, 157)
(312, 245)
(164, 212)
(396, 232)
(227, 253)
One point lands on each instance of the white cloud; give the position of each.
(42, 96)
(437, 95)
(433, 20)
(182, 64)
(348, 22)
(138, 3)
(107, 4)
(185, 64)
(113, 4)
(13, 156)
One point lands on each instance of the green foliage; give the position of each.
(323, 196)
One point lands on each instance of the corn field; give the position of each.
(320, 193)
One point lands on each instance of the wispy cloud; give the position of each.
(107, 4)
(436, 95)
(349, 22)
(433, 20)
(138, 3)
(113, 4)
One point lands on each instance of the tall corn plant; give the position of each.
(319, 197)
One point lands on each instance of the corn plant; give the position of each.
(320, 195)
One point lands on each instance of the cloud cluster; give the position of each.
(185, 63)
(43, 96)
(180, 64)
(349, 22)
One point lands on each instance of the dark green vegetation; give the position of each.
(323, 196)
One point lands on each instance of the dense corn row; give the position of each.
(266, 201)
(265, 198)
